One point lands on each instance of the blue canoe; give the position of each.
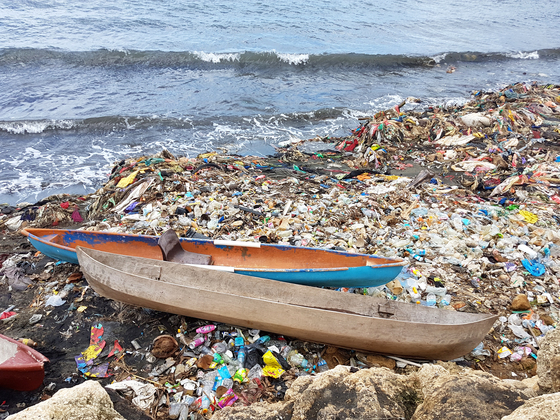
(300, 265)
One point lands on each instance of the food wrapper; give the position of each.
(227, 399)
(272, 367)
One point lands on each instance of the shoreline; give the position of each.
(465, 216)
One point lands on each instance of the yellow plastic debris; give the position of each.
(528, 216)
(127, 180)
(272, 367)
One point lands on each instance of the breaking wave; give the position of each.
(270, 59)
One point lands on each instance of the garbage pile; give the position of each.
(467, 194)
(207, 367)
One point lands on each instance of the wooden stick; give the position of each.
(408, 362)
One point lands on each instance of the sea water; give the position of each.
(85, 84)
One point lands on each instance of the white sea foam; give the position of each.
(32, 153)
(380, 104)
(524, 55)
(216, 57)
(439, 58)
(34, 127)
(294, 59)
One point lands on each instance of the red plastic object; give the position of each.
(21, 367)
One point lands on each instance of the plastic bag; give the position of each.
(55, 300)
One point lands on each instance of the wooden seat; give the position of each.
(173, 251)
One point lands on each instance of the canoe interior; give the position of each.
(21, 367)
(312, 314)
(266, 257)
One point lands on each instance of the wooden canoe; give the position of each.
(301, 265)
(308, 313)
(21, 367)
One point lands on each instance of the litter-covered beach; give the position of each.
(466, 196)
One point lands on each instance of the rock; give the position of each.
(520, 303)
(545, 407)
(547, 319)
(532, 383)
(469, 395)
(548, 365)
(338, 393)
(428, 374)
(527, 388)
(82, 402)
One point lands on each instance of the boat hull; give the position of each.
(324, 316)
(21, 367)
(300, 265)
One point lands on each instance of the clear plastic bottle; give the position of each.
(322, 365)
(431, 299)
(297, 359)
(242, 355)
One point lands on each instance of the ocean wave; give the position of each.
(473, 56)
(294, 58)
(124, 123)
(534, 55)
(215, 57)
(35, 126)
(249, 59)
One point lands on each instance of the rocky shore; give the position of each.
(468, 195)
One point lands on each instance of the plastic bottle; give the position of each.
(240, 375)
(206, 351)
(242, 355)
(297, 359)
(227, 357)
(196, 342)
(27, 341)
(206, 329)
(217, 382)
(204, 405)
(322, 365)
(431, 299)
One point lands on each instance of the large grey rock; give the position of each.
(469, 395)
(548, 363)
(545, 407)
(87, 401)
(337, 394)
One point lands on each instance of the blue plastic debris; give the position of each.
(534, 267)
